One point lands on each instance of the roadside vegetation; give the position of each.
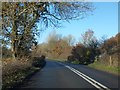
(100, 54)
(14, 72)
(56, 46)
(21, 54)
(109, 58)
(104, 56)
(106, 68)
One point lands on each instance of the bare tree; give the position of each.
(20, 18)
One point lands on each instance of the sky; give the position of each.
(103, 21)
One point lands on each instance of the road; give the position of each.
(65, 75)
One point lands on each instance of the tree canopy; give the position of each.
(20, 20)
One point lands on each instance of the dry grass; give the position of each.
(105, 59)
(11, 66)
(14, 71)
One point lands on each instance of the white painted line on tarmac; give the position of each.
(87, 78)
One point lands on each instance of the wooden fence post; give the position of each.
(110, 61)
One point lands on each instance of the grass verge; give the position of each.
(106, 68)
(75, 62)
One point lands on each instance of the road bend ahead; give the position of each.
(64, 75)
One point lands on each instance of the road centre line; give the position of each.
(88, 79)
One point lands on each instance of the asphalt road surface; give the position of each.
(65, 75)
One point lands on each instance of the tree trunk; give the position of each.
(14, 44)
(13, 50)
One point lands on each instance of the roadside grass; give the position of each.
(106, 68)
(75, 62)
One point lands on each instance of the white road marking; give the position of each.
(88, 79)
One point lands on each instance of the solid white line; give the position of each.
(88, 79)
(85, 78)
(93, 82)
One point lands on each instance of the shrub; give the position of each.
(39, 61)
(70, 58)
(14, 71)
